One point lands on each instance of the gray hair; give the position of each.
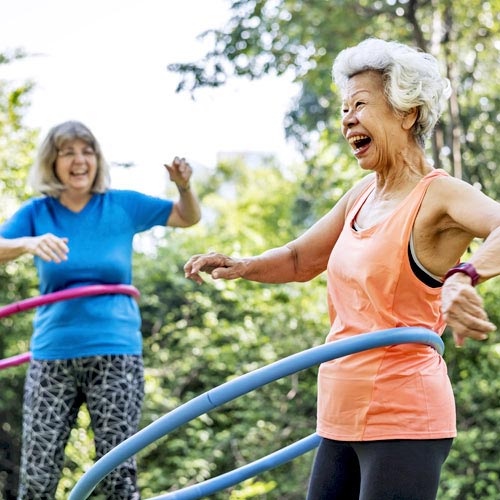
(411, 79)
(42, 175)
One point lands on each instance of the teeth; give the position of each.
(355, 138)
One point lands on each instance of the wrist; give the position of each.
(184, 189)
(466, 270)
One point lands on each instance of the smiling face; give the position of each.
(76, 167)
(377, 134)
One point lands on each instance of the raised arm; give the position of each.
(186, 210)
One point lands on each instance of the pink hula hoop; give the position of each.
(49, 298)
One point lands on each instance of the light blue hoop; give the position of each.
(238, 387)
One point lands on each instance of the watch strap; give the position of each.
(465, 268)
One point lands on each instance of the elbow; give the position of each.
(188, 222)
(304, 269)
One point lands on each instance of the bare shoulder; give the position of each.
(444, 192)
(453, 202)
(442, 187)
(353, 194)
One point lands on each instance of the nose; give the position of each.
(79, 156)
(349, 119)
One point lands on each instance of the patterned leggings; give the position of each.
(113, 389)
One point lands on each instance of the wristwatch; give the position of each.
(466, 268)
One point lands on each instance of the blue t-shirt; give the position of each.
(100, 252)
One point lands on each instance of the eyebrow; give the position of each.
(359, 92)
(354, 95)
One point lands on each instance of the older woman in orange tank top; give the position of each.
(390, 248)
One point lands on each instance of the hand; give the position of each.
(463, 310)
(215, 264)
(48, 247)
(180, 172)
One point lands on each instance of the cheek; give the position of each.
(58, 171)
(93, 171)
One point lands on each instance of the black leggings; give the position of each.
(112, 388)
(400, 469)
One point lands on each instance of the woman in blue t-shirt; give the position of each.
(89, 349)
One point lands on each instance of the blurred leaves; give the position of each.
(301, 39)
(198, 337)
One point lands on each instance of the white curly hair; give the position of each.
(411, 79)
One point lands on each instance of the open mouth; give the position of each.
(359, 142)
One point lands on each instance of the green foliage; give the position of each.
(196, 338)
(17, 144)
(302, 39)
(18, 281)
(472, 469)
(18, 278)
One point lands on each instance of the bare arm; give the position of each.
(186, 211)
(300, 260)
(47, 246)
(478, 216)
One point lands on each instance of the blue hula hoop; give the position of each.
(238, 387)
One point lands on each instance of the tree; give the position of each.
(302, 38)
(17, 143)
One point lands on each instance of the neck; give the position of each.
(74, 201)
(403, 173)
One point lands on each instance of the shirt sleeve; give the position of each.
(147, 211)
(20, 224)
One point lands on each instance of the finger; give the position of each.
(184, 167)
(475, 308)
(61, 248)
(476, 331)
(465, 312)
(227, 273)
(459, 340)
(460, 333)
(48, 254)
(195, 277)
(474, 321)
(44, 252)
(43, 255)
(207, 263)
(193, 265)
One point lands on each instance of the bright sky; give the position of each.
(104, 62)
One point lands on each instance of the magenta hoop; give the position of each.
(49, 298)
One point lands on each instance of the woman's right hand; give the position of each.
(48, 247)
(463, 310)
(219, 266)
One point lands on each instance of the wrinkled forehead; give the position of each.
(367, 82)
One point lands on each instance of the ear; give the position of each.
(409, 118)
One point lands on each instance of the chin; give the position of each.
(364, 165)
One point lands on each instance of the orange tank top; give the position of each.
(396, 392)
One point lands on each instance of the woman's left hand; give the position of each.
(180, 172)
(463, 310)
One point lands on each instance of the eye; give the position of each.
(359, 103)
(66, 153)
